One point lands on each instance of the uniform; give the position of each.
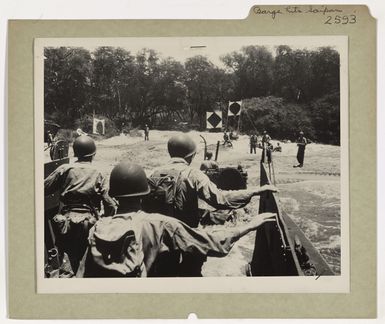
(82, 189)
(253, 144)
(192, 185)
(266, 139)
(146, 133)
(301, 143)
(147, 237)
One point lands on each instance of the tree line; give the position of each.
(282, 92)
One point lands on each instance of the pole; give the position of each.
(205, 151)
(216, 151)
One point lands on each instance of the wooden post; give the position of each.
(217, 150)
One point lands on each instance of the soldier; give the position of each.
(82, 189)
(278, 148)
(227, 140)
(266, 139)
(253, 144)
(208, 163)
(190, 186)
(129, 243)
(301, 143)
(267, 146)
(146, 133)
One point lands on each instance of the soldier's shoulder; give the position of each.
(156, 218)
(198, 176)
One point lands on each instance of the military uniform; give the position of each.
(146, 237)
(266, 139)
(301, 143)
(82, 189)
(146, 133)
(253, 144)
(192, 185)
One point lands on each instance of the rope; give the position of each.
(252, 123)
(272, 166)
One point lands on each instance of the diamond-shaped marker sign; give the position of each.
(234, 108)
(214, 119)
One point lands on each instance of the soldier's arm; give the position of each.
(110, 206)
(214, 243)
(54, 181)
(223, 199)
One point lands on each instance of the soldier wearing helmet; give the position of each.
(129, 243)
(82, 189)
(146, 133)
(191, 185)
(301, 143)
(266, 139)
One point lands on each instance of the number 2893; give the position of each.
(340, 20)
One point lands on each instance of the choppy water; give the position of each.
(315, 207)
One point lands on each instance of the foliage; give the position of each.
(282, 92)
(280, 118)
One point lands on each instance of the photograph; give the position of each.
(199, 161)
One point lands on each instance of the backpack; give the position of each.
(117, 256)
(163, 187)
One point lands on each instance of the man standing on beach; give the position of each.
(301, 143)
(146, 133)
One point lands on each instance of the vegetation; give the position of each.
(282, 93)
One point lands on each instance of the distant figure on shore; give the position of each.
(208, 164)
(226, 139)
(278, 148)
(266, 139)
(301, 143)
(146, 133)
(253, 144)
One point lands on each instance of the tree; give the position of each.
(325, 65)
(67, 73)
(252, 67)
(113, 75)
(292, 74)
(203, 82)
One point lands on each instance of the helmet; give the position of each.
(181, 146)
(84, 146)
(128, 180)
(301, 132)
(264, 132)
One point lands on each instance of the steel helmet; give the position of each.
(84, 146)
(128, 180)
(301, 132)
(181, 145)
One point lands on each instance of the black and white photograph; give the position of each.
(213, 164)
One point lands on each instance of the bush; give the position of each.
(325, 113)
(281, 119)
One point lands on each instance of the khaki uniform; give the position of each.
(143, 238)
(82, 189)
(191, 186)
(301, 143)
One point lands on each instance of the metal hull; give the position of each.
(276, 251)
